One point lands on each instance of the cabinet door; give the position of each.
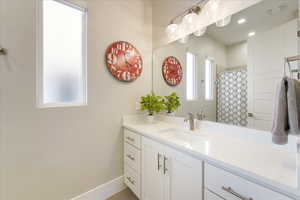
(183, 178)
(152, 166)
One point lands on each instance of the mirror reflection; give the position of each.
(228, 72)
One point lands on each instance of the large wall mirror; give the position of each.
(230, 69)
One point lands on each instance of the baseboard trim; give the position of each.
(104, 191)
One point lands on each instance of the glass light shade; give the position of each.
(184, 40)
(171, 30)
(200, 32)
(212, 7)
(188, 20)
(224, 22)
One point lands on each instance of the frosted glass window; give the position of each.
(63, 53)
(209, 80)
(191, 86)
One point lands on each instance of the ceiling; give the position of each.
(261, 17)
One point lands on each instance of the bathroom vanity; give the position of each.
(164, 161)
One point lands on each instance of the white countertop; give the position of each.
(244, 153)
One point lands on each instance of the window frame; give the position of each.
(39, 56)
(195, 78)
(212, 63)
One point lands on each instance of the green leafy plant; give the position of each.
(152, 103)
(172, 102)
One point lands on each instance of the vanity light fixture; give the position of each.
(171, 30)
(242, 21)
(184, 40)
(224, 22)
(214, 4)
(200, 32)
(188, 19)
(251, 34)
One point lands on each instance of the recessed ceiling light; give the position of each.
(241, 21)
(251, 34)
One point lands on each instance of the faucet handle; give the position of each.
(201, 115)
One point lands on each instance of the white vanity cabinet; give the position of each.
(184, 176)
(153, 181)
(155, 171)
(132, 161)
(229, 186)
(208, 195)
(168, 174)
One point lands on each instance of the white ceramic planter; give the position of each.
(150, 118)
(171, 114)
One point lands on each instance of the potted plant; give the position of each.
(153, 104)
(171, 103)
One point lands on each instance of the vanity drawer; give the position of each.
(132, 157)
(132, 180)
(230, 186)
(211, 196)
(132, 138)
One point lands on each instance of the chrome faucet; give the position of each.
(191, 120)
(201, 115)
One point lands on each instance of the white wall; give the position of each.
(266, 52)
(202, 47)
(237, 55)
(59, 153)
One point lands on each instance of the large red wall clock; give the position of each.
(172, 71)
(124, 61)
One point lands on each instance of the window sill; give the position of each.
(60, 105)
(193, 100)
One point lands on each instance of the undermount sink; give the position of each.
(182, 134)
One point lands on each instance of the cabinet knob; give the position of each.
(158, 161)
(165, 167)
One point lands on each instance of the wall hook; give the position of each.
(2, 51)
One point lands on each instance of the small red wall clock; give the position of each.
(172, 71)
(124, 61)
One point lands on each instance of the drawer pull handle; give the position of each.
(234, 193)
(130, 139)
(165, 166)
(158, 161)
(130, 180)
(130, 157)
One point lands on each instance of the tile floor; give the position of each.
(124, 195)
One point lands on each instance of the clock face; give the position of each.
(124, 61)
(172, 71)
